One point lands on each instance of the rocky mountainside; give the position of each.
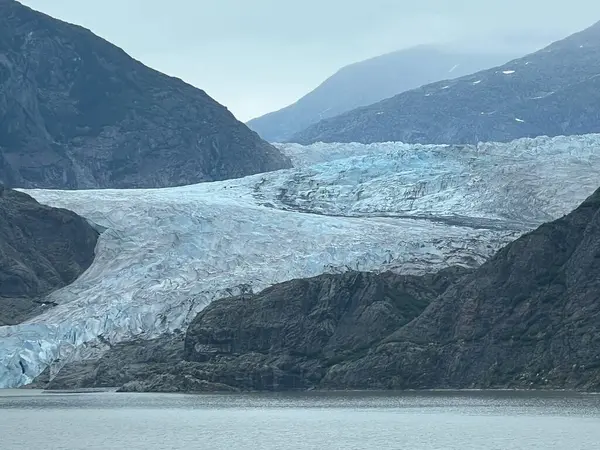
(530, 317)
(527, 318)
(370, 81)
(554, 91)
(126, 362)
(288, 335)
(78, 112)
(41, 250)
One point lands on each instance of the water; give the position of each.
(415, 421)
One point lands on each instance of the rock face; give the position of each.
(41, 249)
(370, 81)
(554, 91)
(123, 363)
(77, 112)
(530, 317)
(154, 365)
(288, 336)
(283, 338)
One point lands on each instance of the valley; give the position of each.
(166, 254)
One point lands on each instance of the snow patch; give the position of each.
(519, 120)
(542, 96)
(508, 72)
(324, 111)
(477, 82)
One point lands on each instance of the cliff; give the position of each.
(41, 249)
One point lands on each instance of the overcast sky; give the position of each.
(255, 56)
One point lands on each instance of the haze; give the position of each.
(258, 56)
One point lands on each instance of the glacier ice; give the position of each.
(527, 181)
(166, 253)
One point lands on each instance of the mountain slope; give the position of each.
(41, 250)
(530, 317)
(370, 81)
(77, 112)
(554, 91)
(296, 317)
(290, 334)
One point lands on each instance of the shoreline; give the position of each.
(372, 392)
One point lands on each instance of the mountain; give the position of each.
(527, 318)
(363, 308)
(370, 81)
(41, 249)
(167, 254)
(554, 91)
(288, 336)
(78, 112)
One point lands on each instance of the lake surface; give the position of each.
(380, 421)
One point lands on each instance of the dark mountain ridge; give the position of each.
(41, 249)
(370, 81)
(554, 91)
(528, 318)
(78, 112)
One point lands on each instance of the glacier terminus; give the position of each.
(164, 254)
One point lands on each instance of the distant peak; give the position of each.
(592, 29)
(595, 25)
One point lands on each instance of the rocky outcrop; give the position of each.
(288, 336)
(283, 338)
(370, 81)
(121, 364)
(154, 365)
(78, 112)
(555, 91)
(41, 249)
(530, 317)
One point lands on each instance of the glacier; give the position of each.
(165, 254)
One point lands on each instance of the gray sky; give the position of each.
(255, 56)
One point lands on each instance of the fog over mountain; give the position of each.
(551, 92)
(257, 57)
(369, 81)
